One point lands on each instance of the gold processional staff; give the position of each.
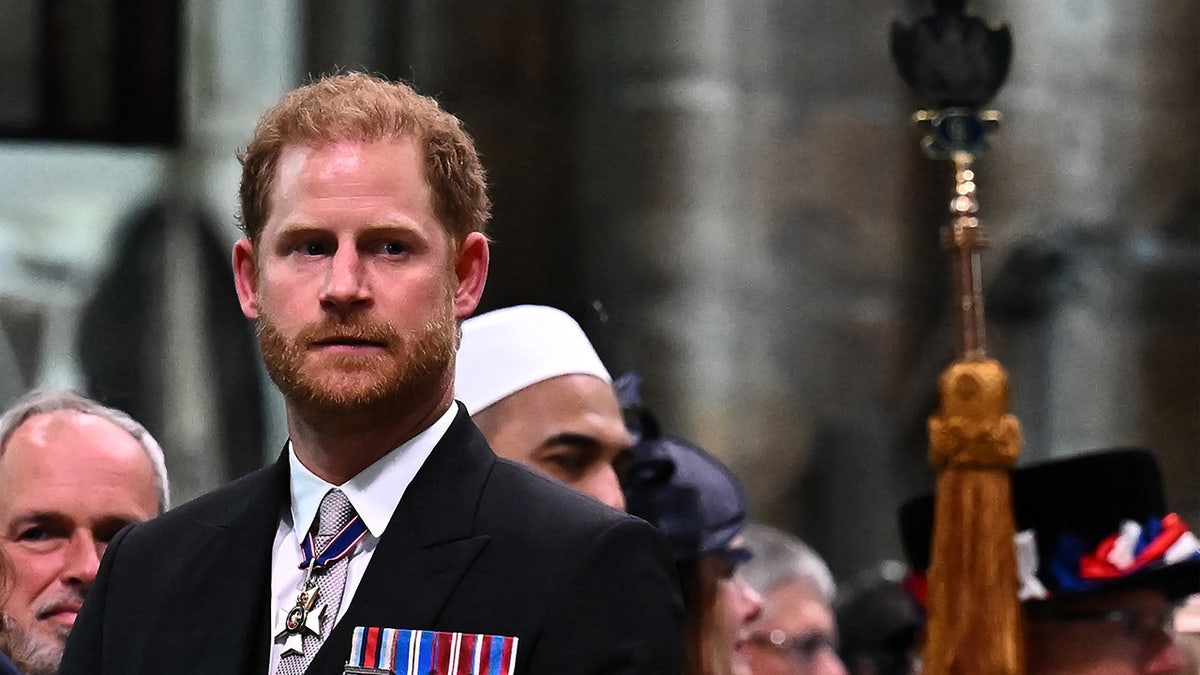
(956, 62)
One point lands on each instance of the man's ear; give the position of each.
(245, 277)
(470, 271)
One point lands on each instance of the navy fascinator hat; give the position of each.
(686, 493)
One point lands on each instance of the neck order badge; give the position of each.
(305, 617)
(423, 652)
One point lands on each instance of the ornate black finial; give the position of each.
(956, 62)
(950, 58)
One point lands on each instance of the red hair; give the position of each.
(359, 107)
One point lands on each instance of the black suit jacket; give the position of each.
(477, 545)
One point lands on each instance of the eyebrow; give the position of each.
(575, 439)
(37, 516)
(589, 444)
(43, 517)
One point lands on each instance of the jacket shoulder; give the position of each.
(217, 509)
(519, 499)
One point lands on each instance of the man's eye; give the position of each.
(35, 534)
(313, 248)
(572, 463)
(392, 248)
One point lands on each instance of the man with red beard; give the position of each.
(388, 537)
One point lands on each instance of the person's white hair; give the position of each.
(780, 558)
(42, 401)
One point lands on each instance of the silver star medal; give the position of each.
(301, 618)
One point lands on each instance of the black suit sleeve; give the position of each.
(621, 615)
(85, 646)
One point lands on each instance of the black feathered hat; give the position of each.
(1088, 523)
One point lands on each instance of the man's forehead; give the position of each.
(573, 404)
(54, 419)
(63, 431)
(573, 392)
(342, 157)
(66, 450)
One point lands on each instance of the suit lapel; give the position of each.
(427, 547)
(230, 608)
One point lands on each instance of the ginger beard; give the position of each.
(348, 393)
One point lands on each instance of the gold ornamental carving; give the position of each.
(973, 428)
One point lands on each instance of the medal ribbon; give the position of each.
(337, 548)
(420, 652)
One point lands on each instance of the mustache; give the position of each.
(68, 600)
(352, 331)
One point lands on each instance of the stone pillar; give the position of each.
(1097, 160)
(664, 208)
(740, 204)
(1097, 152)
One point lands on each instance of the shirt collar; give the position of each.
(376, 491)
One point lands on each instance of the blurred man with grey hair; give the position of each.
(796, 634)
(72, 474)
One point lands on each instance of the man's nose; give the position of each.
(604, 486)
(82, 560)
(345, 284)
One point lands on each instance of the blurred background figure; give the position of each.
(1102, 564)
(1187, 630)
(796, 634)
(880, 623)
(535, 387)
(698, 504)
(72, 474)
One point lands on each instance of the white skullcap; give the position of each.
(506, 350)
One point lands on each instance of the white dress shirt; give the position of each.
(374, 493)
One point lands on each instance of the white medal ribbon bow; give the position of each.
(1123, 551)
(1031, 588)
(1186, 546)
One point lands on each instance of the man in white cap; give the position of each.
(536, 388)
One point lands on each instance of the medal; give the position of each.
(306, 616)
(302, 619)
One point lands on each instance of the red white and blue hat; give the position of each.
(1086, 524)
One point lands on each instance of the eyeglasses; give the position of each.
(805, 646)
(1133, 624)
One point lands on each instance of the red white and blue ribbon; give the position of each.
(423, 652)
(337, 548)
(1133, 548)
(1156, 543)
